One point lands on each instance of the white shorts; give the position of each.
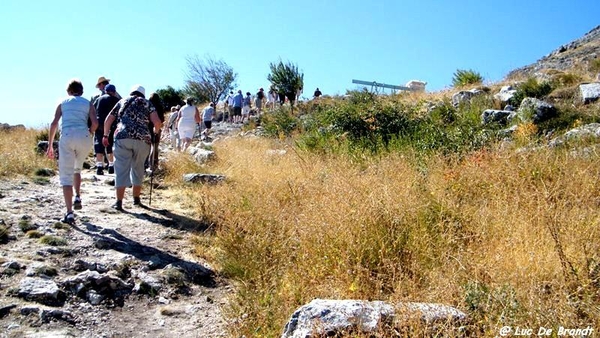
(246, 110)
(73, 148)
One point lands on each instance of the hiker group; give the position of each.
(125, 133)
(125, 130)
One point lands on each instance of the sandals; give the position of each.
(69, 218)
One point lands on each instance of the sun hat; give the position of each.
(100, 80)
(138, 88)
(110, 88)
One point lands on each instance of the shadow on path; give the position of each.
(106, 239)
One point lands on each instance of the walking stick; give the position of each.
(152, 173)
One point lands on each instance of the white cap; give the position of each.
(138, 88)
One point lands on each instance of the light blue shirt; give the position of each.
(207, 113)
(75, 114)
(238, 99)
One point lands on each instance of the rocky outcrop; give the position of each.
(590, 92)
(328, 317)
(465, 96)
(203, 178)
(565, 57)
(506, 93)
(496, 116)
(535, 110)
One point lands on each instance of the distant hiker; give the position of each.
(172, 126)
(246, 106)
(238, 101)
(160, 111)
(101, 84)
(104, 104)
(317, 93)
(132, 142)
(271, 99)
(75, 143)
(208, 114)
(188, 119)
(260, 99)
(298, 93)
(229, 107)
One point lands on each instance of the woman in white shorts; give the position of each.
(75, 143)
(188, 119)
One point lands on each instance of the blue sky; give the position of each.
(46, 43)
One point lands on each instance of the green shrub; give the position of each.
(34, 234)
(280, 123)
(53, 240)
(530, 88)
(565, 80)
(466, 77)
(26, 225)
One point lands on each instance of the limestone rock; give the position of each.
(590, 92)
(203, 178)
(40, 290)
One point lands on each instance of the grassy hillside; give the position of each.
(398, 198)
(406, 198)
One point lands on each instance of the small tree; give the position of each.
(466, 77)
(208, 79)
(286, 80)
(170, 97)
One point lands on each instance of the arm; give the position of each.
(110, 118)
(93, 118)
(156, 121)
(197, 115)
(52, 132)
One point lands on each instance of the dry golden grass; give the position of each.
(511, 238)
(17, 153)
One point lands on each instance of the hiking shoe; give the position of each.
(77, 203)
(111, 169)
(99, 171)
(118, 206)
(137, 201)
(69, 218)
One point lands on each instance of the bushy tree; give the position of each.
(208, 80)
(286, 79)
(464, 77)
(170, 97)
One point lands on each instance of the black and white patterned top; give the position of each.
(133, 114)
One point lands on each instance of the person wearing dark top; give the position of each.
(104, 104)
(160, 110)
(317, 93)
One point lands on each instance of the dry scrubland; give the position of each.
(17, 153)
(511, 238)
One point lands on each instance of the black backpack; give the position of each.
(260, 95)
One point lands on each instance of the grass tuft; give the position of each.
(53, 240)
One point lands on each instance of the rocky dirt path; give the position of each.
(129, 274)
